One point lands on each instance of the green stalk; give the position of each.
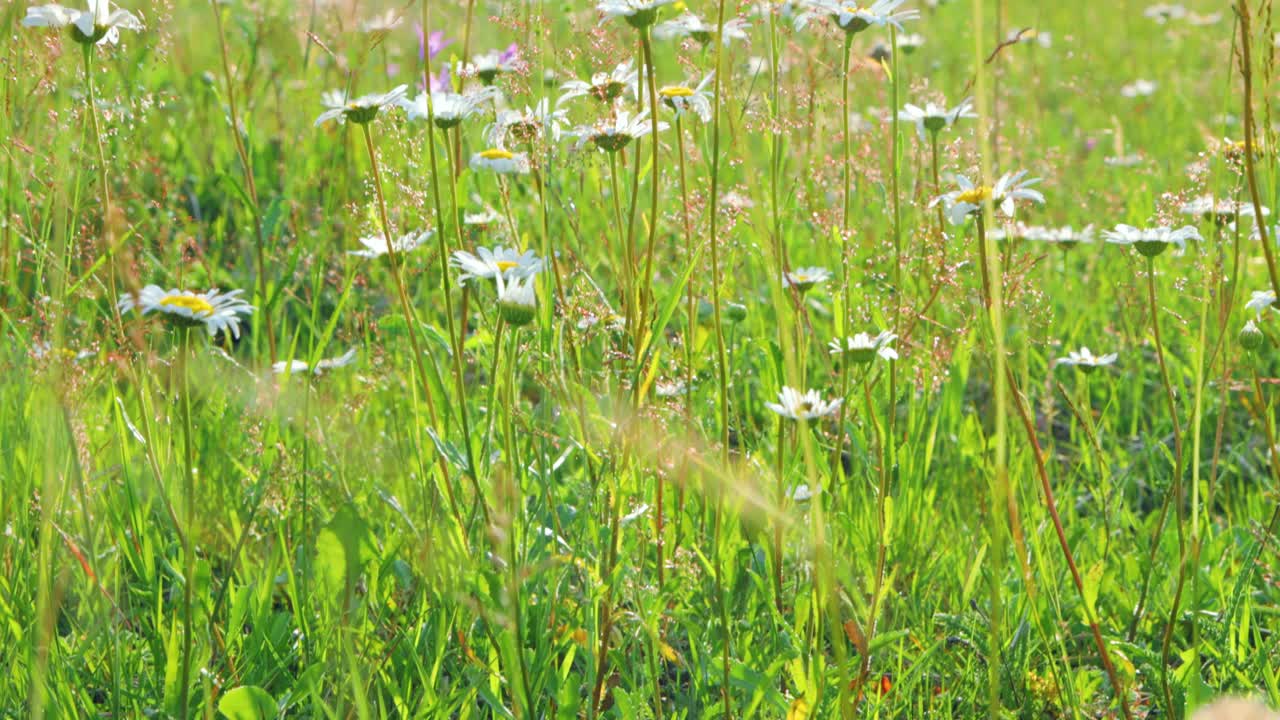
(189, 506)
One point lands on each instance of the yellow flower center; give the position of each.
(974, 196)
(804, 407)
(678, 91)
(852, 9)
(505, 265)
(197, 305)
(497, 154)
(800, 278)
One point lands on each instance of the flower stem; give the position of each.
(189, 506)
(104, 187)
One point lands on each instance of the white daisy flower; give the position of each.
(690, 25)
(935, 118)
(448, 109)
(1150, 242)
(1260, 300)
(518, 301)
(802, 406)
(639, 14)
(968, 199)
(500, 263)
(385, 22)
(361, 110)
(1219, 210)
(212, 310)
(376, 245)
(605, 87)
(528, 125)
(1138, 88)
(1085, 360)
(300, 366)
(864, 347)
(501, 161)
(616, 132)
(682, 99)
(1164, 12)
(910, 42)
(98, 24)
(487, 66)
(853, 18)
(804, 278)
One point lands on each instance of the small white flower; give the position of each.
(518, 301)
(864, 347)
(616, 132)
(1260, 300)
(690, 25)
(448, 109)
(1087, 361)
(301, 366)
(1123, 161)
(487, 66)
(1065, 235)
(97, 24)
(528, 125)
(501, 161)
(605, 87)
(968, 199)
(682, 99)
(853, 18)
(802, 406)
(638, 13)
(376, 245)
(1219, 210)
(1151, 241)
(500, 263)
(385, 22)
(361, 110)
(1138, 88)
(802, 279)
(1164, 12)
(935, 118)
(212, 310)
(910, 42)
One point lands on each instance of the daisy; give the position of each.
(362, 110)
(968, 199)
(500, 263)
(501, 161)
(528, 125)
(448, 109)
(682, 99)
(803, 279)
(605, 87)
(1150, 242)
(1164, 12)
(910, 43)
(802, 406)
(386, 22)
(853, 18)
(1220, 211)
(863, 347)
(487, 66)
(376, 245)
(98, 24)
(614, 133)
(690, 25)
(517, 301)
(212, 310)
(1251, 336)
(639, 14)
(1138, 88)
(301, 366)
(1086, 361)
(935, 118)
(1260, 300)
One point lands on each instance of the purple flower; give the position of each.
(435, 42)
(511, 54)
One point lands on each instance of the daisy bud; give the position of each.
(736, 312)
(1251, 337)
(517, 302)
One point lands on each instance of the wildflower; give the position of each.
(383, 23)
(682, 99)
(803, 279)
(500, 263)
(863, 347)
(362, 110)
(98, 24)
(517, 301)
(528, 125)
(1086, 361)
(301, 366)
(614, 133)
(1260, 300)
(1251, 337)
(1164, 12)
(1138, 88)
(795, 405)
(1065, 236)
(852, 18)
(501, 161)
(605, 87)
(447, 109)
(212, 310)
(1122, 161)
(376, 245)
(431, 44)
(670, 388)
(487, 66)
(690, 25)
(910, 42)
(1150, 242)
(935, 118)
(969, 198)
(1220, 211)
(639, 14)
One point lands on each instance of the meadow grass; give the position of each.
(566, 481)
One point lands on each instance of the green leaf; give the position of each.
(247, 702)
